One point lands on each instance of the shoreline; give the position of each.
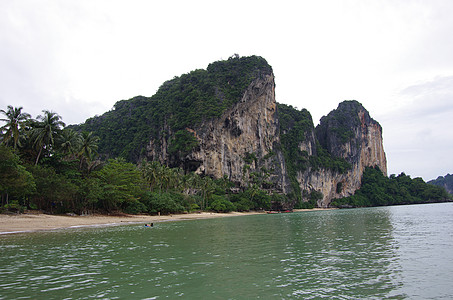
(33, 222)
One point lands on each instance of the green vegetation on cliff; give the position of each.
(180, 103)
(379, 190)
(339, 124)
(296, 127)
(444, 181)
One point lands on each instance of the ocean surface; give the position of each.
(399, 252)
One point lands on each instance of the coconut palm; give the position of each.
(45, 131)
(15, 120)
(175, 179)
(152, 172)
(69, 142)
(88, 147)
(88, 144)
(207, 189)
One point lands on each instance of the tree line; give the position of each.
(47, 166)
(379, 190)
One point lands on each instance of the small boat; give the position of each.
(272, 212)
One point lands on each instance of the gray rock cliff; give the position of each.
(241, 145)
(350, 133)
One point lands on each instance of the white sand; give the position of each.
(34, 222)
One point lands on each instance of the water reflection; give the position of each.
(425, 242)
(349, 253)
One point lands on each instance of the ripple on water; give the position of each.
(344, 254)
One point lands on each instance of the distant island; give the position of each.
(208, 140)
(445, 182)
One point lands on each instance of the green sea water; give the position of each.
(372, 253)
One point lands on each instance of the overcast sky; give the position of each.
(78, 57)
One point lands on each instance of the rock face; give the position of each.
(242, 140)
(241, 145)
(350, 133)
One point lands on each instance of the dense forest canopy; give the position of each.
(379, 190)
(69, 177)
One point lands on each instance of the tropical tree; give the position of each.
(45, 131)
(69, 142)
(188, 183)
(121, 182)
(207, 188)
(88, 147)
(15, 120)
(14, 178)
(151, 172)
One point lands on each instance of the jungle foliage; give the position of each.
(339, 123)
(296, 126)
(444, 181)
(379, 190)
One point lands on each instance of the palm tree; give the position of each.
(69, 142)
(152, 172)
(47, 129)
(88, 147)
(15, 120)
(207, 189)
(175, 179)
(88, 144)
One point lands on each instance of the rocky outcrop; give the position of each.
(244, 146)
(242, 141)
(350, 133)
(241, 145)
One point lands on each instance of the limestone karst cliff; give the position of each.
(241, 144)
(349, 133)
(224, 122)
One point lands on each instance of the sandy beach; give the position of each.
(30, 222)
(37, 222)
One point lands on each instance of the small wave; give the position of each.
(10, 232)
